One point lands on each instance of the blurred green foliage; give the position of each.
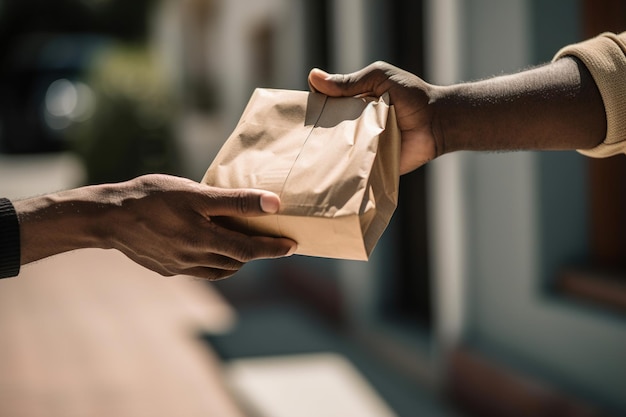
(130, 132)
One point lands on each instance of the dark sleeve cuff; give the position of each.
(9, 240)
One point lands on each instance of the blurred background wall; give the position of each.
(498, 273)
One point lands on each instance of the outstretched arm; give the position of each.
(555, 106)
(161, 222)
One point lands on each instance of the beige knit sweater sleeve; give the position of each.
(605, 57)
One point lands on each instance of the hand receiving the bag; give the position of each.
(408, 93)
(161, 222)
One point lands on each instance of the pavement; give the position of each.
(90, 334)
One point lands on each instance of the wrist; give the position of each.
(447, 124)
(64, 221)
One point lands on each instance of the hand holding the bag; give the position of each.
(408, 93)
(551, 107)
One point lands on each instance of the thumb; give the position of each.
(364, 82)
(335, 85)
(243, 202)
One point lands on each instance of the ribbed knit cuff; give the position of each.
(605, 58)
(9, 240)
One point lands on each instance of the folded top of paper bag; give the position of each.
(332, 161)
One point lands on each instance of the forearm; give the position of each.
(556, 106)
(64, 221)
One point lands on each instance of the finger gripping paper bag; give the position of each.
(333, 162)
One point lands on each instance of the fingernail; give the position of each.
(293, 250)
(322, 73)
(269, 203)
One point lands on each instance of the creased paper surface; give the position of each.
(333, 162)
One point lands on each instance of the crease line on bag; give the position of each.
(319, 116)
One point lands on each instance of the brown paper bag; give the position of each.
(333, 162)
